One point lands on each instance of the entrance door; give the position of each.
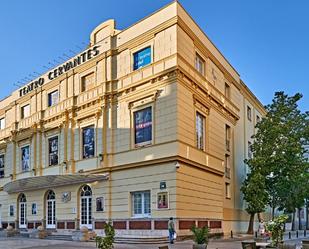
(50, 210)
(22, 211)
(86, 207)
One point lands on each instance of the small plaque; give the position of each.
(66, 196)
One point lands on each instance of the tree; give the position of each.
(279, 159)
(255, 195)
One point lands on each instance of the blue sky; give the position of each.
(267, 41)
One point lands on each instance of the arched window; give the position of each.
(86, 206)
(22, 198)
(86, 191)
(51, 195)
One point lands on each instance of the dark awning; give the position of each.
(49, 181)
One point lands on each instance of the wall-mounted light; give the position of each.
(11, 176)
(177, 165)
(65, 165)
(101, 157)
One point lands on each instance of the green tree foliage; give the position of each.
(279, 165)
(107, 241)
(200, 235)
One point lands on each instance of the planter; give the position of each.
(196, 246)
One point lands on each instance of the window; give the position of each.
(88, 142)
(53, 98)
(200, 128)
(227, 190)
(87, 82)
(258, 119)
(53, 151)
(249, 113)
(34, 209)
(227, 91)
(2, 123)
(142, 58)
(227, 166)
(25, 111)
(25, 158)
(143, 126)
(1, 166)
(162, 200)
(249, 150)
(11, 210)
(228, 137)
(141, 204)
(199, 64)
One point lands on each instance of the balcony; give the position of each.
(5, 133)
(59, 108)
(89, 95)
(29, 121)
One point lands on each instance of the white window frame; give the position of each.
(203, 148)
(199, 63)
(2, 123)
(227, 190)
(143, 214)
(249, 113)
(50, 94)
(22, 113)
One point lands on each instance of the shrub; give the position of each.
(200, 235)
(107, 241)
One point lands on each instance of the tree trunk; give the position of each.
(293, 221)
(299, 218)
(251, 223)
(307, 222)
(259, 217)
(272, 212)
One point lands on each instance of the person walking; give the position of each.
(171, 230)
(262, 228)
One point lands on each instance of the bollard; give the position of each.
(297, 234)
(289, 235)
(231, 234)
(255, 234)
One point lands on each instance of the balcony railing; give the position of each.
(5, 133)
(59, 108)
(29, 121)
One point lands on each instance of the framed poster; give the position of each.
(88, 142)
(1, 166)
(53, 150)
(143, 126)
(34, 209)
(100, 204)
(25, 158)
(162, 200)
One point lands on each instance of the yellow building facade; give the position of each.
(147, 123)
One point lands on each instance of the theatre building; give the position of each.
(147, 123)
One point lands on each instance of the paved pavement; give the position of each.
(25, 243)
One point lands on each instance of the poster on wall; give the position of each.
(143, 126)
(100, 204)
(34, 209)
(88, 142)
(162, 200)
(53, 151)
(1, 166)
(25, 158)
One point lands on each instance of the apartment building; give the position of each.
(147, 123)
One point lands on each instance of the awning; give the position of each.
(50, 181)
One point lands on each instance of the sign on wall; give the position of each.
(142, 58)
